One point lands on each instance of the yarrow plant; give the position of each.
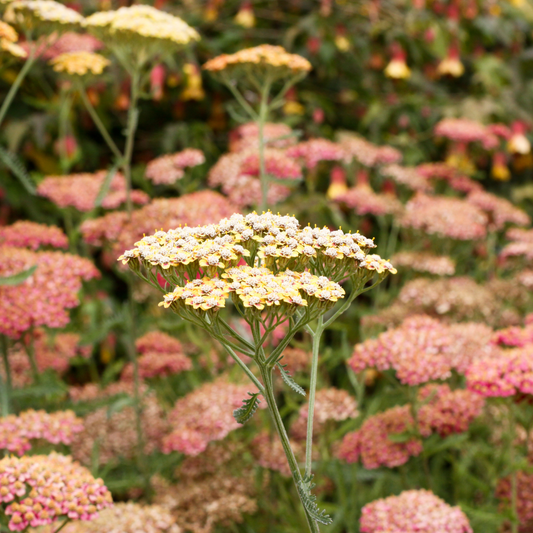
(272, 272)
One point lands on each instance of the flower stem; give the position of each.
(514, 481)
(62, 525)
(98, 122)
(6, 391)
(312, 390)
(30, 351)
(263, 115)
(16, 84)
(133, 116)
(266, 374)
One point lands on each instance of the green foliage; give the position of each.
(17, 279)
(309, 501)
(288, 380)
(248, 409)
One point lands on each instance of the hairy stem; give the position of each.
(6, 390)
(266, 374)
(263, 115)
(312, 390)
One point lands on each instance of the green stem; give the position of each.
(266, 374)
(16, 84)
(30, 351)
(312, 390)
(98, 122)
(6, 391)
(263, 115)
(247, 371)
(62, 525)
(514, 481)
(133, 116)
(63, 129)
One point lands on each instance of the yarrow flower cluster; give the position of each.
(407, 176)
(81, 191)
(524, 496)
(445, 217)
(27, 234)
(315, 150)
(38, 490)
(466, 131)
(246, 136)
(413, 511)
(141, 31)
(16, 432)
(358, 149)
(72, 42)
(500, 210)
(438, 265)
(443, 171)
(45, 16)
(127, 517)
(364, 201)
(265, 61)
(509, 374)
(203, 416)
(79, 63)
(169, 168)
(52, 289)
(268, 452)
(424, 349)
(8, 40)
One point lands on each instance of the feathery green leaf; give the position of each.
(17, 279)
(309, 501)
(287, 378)
(249, 407)
(13, 163)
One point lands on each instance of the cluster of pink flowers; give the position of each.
(521, 244)
(16, 432)
(445, 217)
(509, 374)
(514, 336)
(315, 150)
(40, 489)
(524, 497)
(413, 511)
(268, 452)
(463, 130)
(158, 342)
(364, 201)
(445, 411)
(156, 364)
(46, 296)
(368, 154)
(451, 175)
(120, 232)
(204, 415)
(330, 404)
(81, 191)
(439, 265)
(371, 443)
(27, 234)
(169, 168)
(296, 359)
(72, 42)
(407, 176)
(246, 136)
(500, 210)
(424, 349)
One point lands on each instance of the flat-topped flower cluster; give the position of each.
(260, 260)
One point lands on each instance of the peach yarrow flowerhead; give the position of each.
(8, 39)
(265, 62)
(79, 63)
(37, 490)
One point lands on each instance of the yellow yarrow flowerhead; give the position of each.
(42, 16)
(264, 263)
(142, 32)
(79, 63)
(8, 39)
(265, 63)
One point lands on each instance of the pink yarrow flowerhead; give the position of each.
(45, 297)
(80, 191)
(315, 150)
(204, 415)
(40, 489)
(413, 511)
(368, 154)
(27, 234)
(499, 210)
(407, 176)
(158, 342)
(466, 131)
(246, 136)
(154, 364)
(168, 169)
(451, 175)
(438, 265)
(364, 201)
(16, 432)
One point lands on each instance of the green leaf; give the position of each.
(400, 437)
(119, 404)
(104, 189)
(249, 407)
(287, 378)
(309, 501)
(13, 163)
(17, 279)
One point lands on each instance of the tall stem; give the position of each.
(30, 351)
(266, 374)
(263, 115)
(98, 122)
(312, 390)
(133, 116)
(514, 481)
(6, 391)
(16, 84)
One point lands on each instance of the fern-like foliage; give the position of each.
(249, 407)
(13, 163)
(309, 501)
(287, 378)
(17, 279)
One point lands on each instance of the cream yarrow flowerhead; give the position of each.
(79, 63)
(141, 32)
(264, 62)
(42, 16)
(8, 40)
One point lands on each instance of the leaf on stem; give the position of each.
(17, 279)
(249, 407)
(104, 189)
(13, 163)
(309, 501)
(287, 378)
